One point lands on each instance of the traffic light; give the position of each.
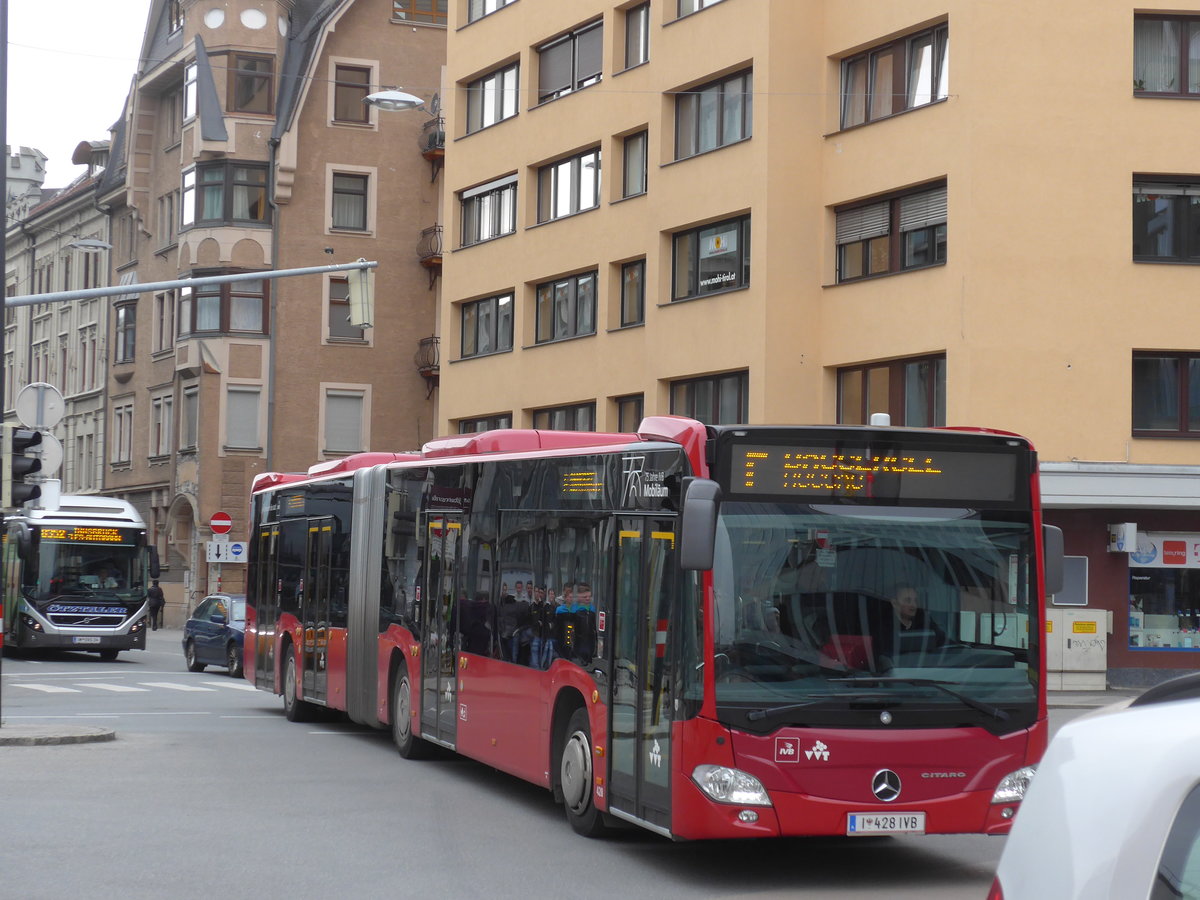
(17, 465)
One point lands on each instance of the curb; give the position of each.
(44, 735)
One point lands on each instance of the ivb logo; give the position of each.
(787, 750)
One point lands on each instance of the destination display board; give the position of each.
(812, 473)
(88, 534)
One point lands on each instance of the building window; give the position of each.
(633, 292)
(122, 445)
(686, 7)
(1166, 394)
(161, 424)
(126, 336)
(164, 321)
(492, 98)
(344, 421)
(487, 326)
(240, 306)
(711, 259)
(340, 328)
(1166, 55)
(630, 411)
(577, 417)
(431, 12)
(907, 231)
(489, 211)
(350, 202)
(174, 15)
(241, 417)
(902, 74)
(637, 35)
(566, 308)
(189, 422)
(351, 84)
(224, 193)
(912, 391)
(633, 180)
(715, 400)
(189, 91)
(484, 423)
(714, 115)
(477, 9)
(1166, 221)
(569, 186)
(251, 84)
(570, 62)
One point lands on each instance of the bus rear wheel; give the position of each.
(575, 778)
(294, 708)
(408, 744)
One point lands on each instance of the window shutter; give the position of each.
(922, 210)
(862, 223)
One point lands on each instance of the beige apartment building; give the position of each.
(246, 146)
(807, 211)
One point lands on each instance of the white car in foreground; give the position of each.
(1113, 812)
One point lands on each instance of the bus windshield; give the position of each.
(829, 614)
(87, 570)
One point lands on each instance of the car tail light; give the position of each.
(997, 892)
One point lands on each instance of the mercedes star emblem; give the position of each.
(886, 785)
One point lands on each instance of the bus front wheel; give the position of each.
(575, 778)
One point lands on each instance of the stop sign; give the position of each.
(220, 523)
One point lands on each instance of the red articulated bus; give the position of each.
(709, 631)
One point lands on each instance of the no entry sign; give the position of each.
(220, 523)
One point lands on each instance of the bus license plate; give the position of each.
(85, 640)
(886, 823)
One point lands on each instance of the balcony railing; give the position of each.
(428, 360)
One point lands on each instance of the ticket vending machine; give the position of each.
(1076, 635)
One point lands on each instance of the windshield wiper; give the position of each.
(994, 711)
(757, 714)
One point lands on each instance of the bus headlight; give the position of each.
(31, 623)
(1013, 786)
(726, 785)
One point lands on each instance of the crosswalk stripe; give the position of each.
(176, 687)
(50, 688)
(115, 688)
(236, 685)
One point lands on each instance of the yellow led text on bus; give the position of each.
(83, 533)
(582, 483)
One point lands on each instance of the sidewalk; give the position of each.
(1089, 699)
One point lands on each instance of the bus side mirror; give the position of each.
(1052, 546)
(155, 568)
(698, 527)
(25, 543)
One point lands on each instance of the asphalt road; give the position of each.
(208, 791)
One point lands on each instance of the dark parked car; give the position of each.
(215, 633)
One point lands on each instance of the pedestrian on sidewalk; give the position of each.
(157, 602)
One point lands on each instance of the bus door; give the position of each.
(640, 729)
(266, 606)
(314, 609)
(443, 588)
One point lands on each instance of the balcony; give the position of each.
(432, 143)
(429, 252)
(428, 361)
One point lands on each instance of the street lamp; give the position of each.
(90, 245)
(393, 100)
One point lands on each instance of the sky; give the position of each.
(70, 65)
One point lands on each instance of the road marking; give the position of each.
(242, 686)
(50, 688)
(175, 687)
(116, 688)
